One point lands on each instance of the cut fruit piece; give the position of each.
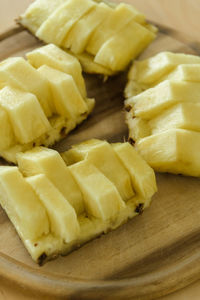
(80, 34)
(185, 73)
(58, 24)
(21, 204)
(184, 115)
(142, 175)
(6, 132)
(114, 22)
(89, 66)
(101, 197)
(56, 58)
(62, 216)
(18, 73)
(153, 101)
(25, 113)
(115, 54)
(175, 151)
(47, 161)
(138, 128)
(38, 12)
(151, 70)
(103, 157)
(68, 101)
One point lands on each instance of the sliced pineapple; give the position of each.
(47, 161)
(25, 113)
(62, 216)
(18, 73)
(58, 24)
(40, 106)
(59, 206)
(21, 204)
(104, 158)
(91, 27)
(54, 57)
(162, 111)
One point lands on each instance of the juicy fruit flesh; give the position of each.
(163, 119)
(40, 106)
(61, 225)
(85, 27)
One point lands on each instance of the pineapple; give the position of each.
(18, 73)
(26, 115)
(40, 106)
(111, 55)
(7, 134)
(64, 216)
(48, 162)
(162, 111)
(104, 158)
(101, 198)
(53, 57)
(57, 26)
(22, 204)
(67, 99)
(93, 31)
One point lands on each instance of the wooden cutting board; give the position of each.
(150, 256)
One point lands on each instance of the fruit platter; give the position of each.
(99, 175)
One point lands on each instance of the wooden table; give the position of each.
(183, 15)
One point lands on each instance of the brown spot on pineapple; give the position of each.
(42, 258)
(62, 131)
(139, 208)
(128, 108)
(131, 141)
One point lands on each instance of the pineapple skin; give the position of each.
(104, 208)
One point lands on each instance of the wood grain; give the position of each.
(152, 255)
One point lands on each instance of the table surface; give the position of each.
(182, 15)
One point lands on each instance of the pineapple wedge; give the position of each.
(61, 214)
(101, 198)
(18, 73)
(7, 134)
(54, 57)
(87, 27)
(26, 115)
(48, 162)
(101, 155)
(58, 24)
(162, 111)
(68, 101)
(53, 225)
(21, 204)
(40, 106)
(174, 150)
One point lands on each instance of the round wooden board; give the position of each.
(150, 256)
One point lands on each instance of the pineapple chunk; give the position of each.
(184, 115)
(153, 101)
(62, 216)
(142, 175)
(58, 24)
(21, 204)
(114, 22)
(18, 73)
(47, 161)
(89, 66)
(150, 71)
(54, 57)
(81, 32)
(175, 151)
(68, 101)
(6, 132)
(115, 54)
(185, 73)
(38, 12)
(26, 115)
(102, 156)
(101, 198)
